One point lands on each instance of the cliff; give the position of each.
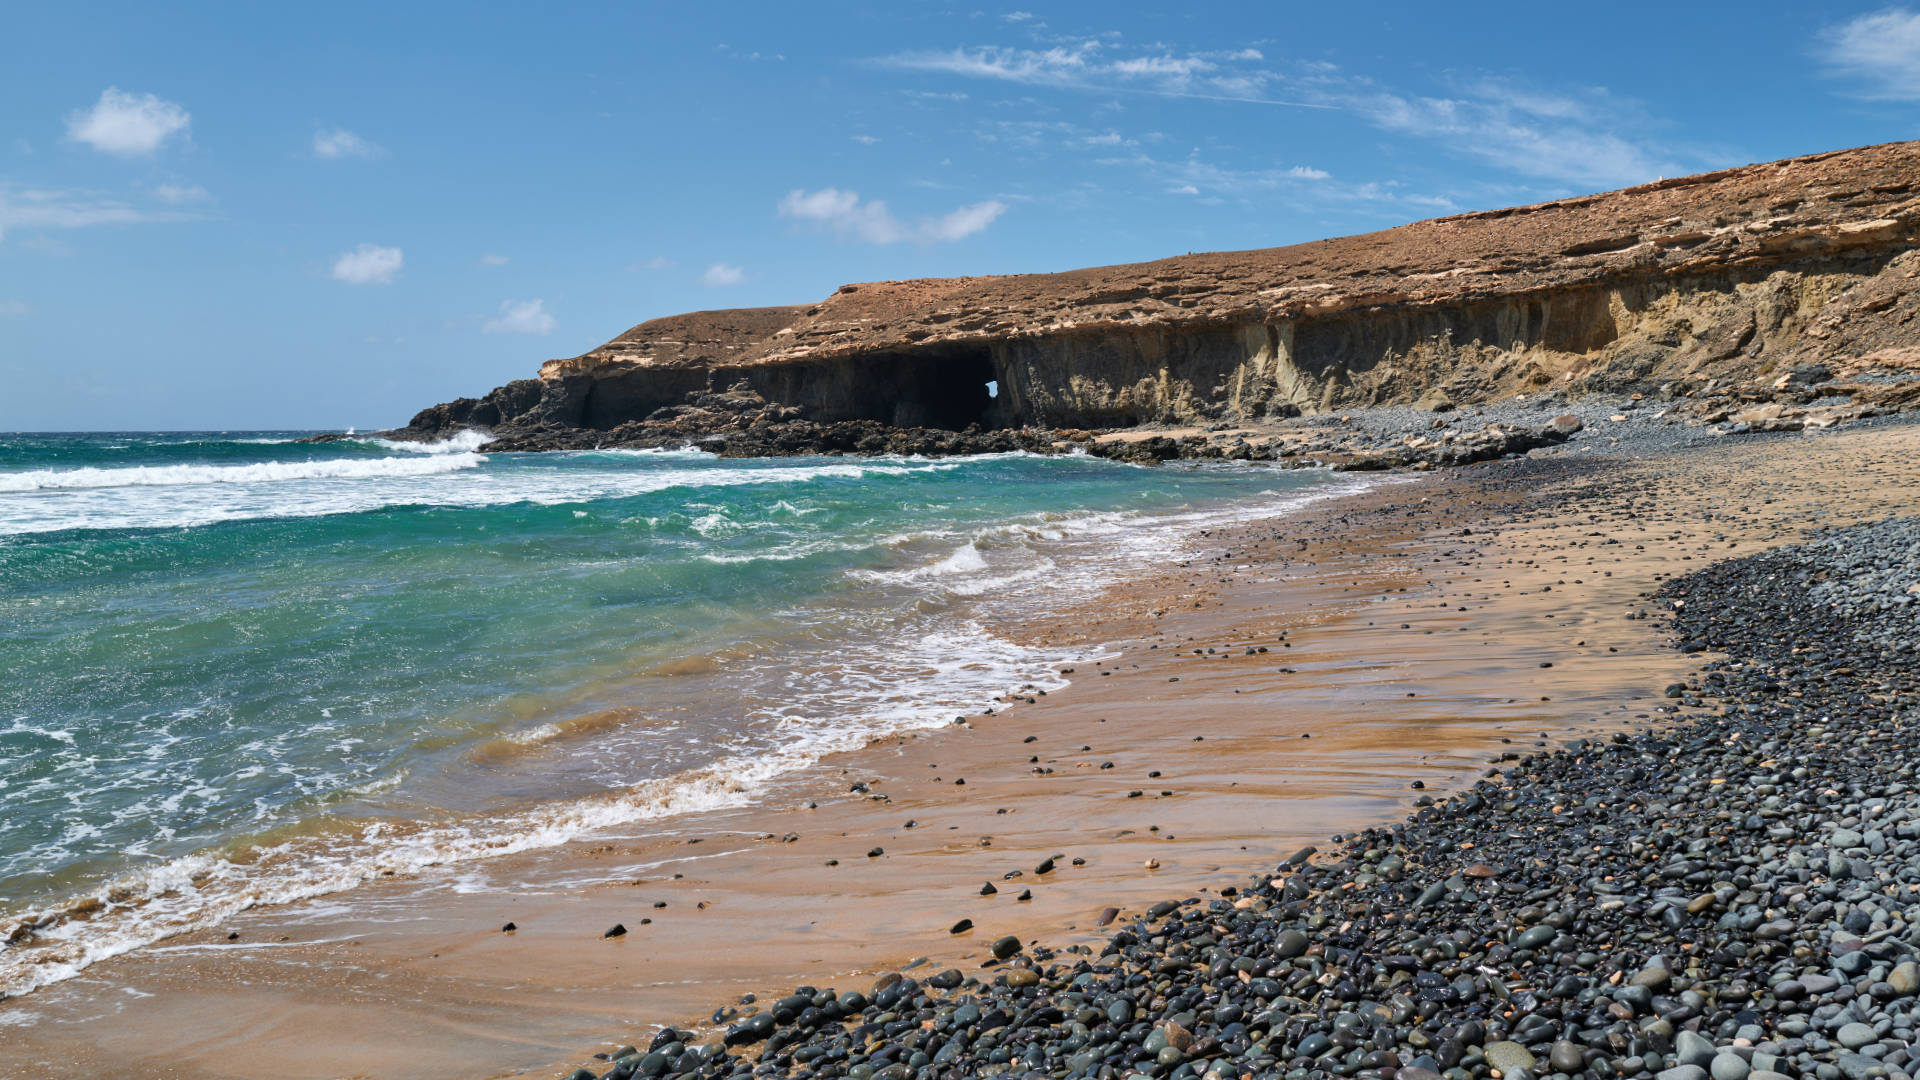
(1715, 287)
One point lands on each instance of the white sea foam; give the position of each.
(256, 473)
(1010, 560)
(460, 442)
(236, 442)
(883, 689)
(535, 735)
(181, 496)
(800, 549)
(965, 560)
(685, 450)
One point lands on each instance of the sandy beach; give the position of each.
(1316, 674)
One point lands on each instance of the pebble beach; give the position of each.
(1734, 893)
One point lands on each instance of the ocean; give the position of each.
(236, 669)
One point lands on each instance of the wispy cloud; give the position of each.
(521, 317)
(727, 50)
(865, 140)
(1881, 50)
(1095, 65)
(1574, 138)
(368, 264)
(177, 194)
(14, 309)
(30, 208)
(720, 275)
(127, 125)
(493, 260)
(336, 143)
(658, 262)
(872, 222)
(1582, 136)
(1195, 176)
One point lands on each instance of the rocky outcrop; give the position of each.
(1730, 289)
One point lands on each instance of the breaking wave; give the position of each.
(266, 472)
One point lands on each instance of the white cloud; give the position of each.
(1195, 176)
(1882, 50)
(720, 274)
(843, 210)
(341, 143)
(658, 262)
(1017, 16)
(126, 124)
(14, 309)
(874, 223)
(1090, 65)
(493, 260)
(181, 193)
(30, 208)
(865, 140)
(521, 317)
(368, 264)
(1554, 136)
(964, 222)
(1584, 136)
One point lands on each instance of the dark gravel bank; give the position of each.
(1734, 896)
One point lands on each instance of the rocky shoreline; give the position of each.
(1731, 896)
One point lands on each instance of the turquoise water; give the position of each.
(239, 669)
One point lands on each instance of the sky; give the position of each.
(321, 216)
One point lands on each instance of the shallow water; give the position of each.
(241, 670)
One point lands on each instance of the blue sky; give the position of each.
(219, 216)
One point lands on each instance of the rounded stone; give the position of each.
(1693, 1048)
(1905, 978)
(1729, 1067)
(1855, 1036)
(1508, 1056)
(1652, 978)
(1535, 937)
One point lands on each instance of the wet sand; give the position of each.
(1407, 634)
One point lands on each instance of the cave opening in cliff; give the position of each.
(949, 386)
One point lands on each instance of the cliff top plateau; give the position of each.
(1753, 215)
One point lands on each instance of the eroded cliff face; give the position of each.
(1702, 287)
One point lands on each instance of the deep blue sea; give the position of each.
(238, 669)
